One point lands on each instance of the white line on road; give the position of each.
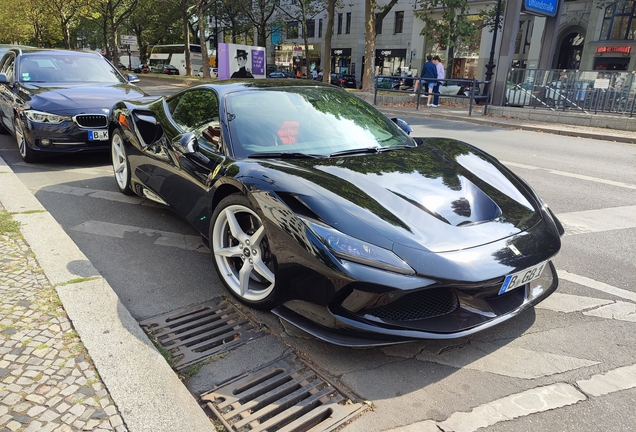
(164, 238)
(621, 311)
(591, 283)
(622, 378)
(97, 193)
(573, 175)
(506, 360)
(598, 220)
(569, 303)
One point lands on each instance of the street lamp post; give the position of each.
(490, 66)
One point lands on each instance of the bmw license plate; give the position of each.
(514, 280)
(98, 135)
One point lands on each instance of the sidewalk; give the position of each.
(72, 358)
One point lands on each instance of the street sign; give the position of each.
(128, 40)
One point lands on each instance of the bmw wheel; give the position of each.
(242, 255)
(25, 151)
(121, 167)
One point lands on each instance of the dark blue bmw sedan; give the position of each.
(58, 101)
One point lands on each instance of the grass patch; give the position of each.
(7, 224)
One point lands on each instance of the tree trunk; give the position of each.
(186, 38)
(326, 57)
(204, 46)
(368, 79)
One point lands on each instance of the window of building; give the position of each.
(339, 23)
(619, 22)
(348, 25)
(378, 24)
(399, 22)
(320, 28)
(292, 30)
(311, 28)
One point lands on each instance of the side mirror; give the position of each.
(132, 78)
(3, 78)
(403, 125)
(186, 143)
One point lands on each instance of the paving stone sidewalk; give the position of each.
(47, 381)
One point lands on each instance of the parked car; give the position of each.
(387, 83)
(325, 211)
(58, 101)
(280, 74)
(142, 68)
(213, 72)
(166, 69)
(343, 80)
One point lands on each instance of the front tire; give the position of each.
(121, 166)
(27, 154)
(242, 255)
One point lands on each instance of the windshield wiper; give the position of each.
(290, 155)
(369, 150)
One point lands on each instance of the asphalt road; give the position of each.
(153, 260)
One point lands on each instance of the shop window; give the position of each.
(320, 28)
(348, 25)
(619, 21)
(292, 30)
(378, 24)
(339, 23)
(399, 22)
(311, 28)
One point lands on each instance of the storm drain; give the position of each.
(285, 396)
(194, 333)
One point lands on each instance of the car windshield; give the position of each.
(67, 68)
(307, 120)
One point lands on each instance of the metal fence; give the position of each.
(454, 88)
(585, 91)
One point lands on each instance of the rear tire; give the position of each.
(121, 166)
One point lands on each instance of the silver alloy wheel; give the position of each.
(19, 137)
(240, 249)
(120, 164)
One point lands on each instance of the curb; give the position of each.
(147, 392)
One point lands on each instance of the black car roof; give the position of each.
(233, 85)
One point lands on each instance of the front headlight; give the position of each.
(348, 248)
(44, 117)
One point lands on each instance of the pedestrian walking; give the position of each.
(440, 80)
(428, 76)
(314, 74)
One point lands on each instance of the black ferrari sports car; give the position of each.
(317, 206)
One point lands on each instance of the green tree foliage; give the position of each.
(301, 11)
(446, 29)
(13, 30)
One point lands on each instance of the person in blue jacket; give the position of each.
(429, 76)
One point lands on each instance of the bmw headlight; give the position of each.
(44, 117)
(348, 248)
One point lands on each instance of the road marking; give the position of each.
(522, 404)
(568, 303)
(102, 194)
(607, 219)
(621, 311)
(615, 380)
(506, 360)
(591, 283)
(164, 238)
(97, 171)
(573, 175)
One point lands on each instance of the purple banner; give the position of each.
(258, 62)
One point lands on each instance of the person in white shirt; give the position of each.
(314, 74)
(440, 77)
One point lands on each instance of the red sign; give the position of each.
(613, 49)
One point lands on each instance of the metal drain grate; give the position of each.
(285, 396)
(194, 333)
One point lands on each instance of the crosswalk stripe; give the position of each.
(598, 220)
(573, 175)
(569, 303)
(164, 238)
(506, 360)
(615, 380)
(621, 311)
(591, 283)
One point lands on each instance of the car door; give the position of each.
(187, 177)
(7, 96)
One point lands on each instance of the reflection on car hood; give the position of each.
(443, 195)
(70, 100)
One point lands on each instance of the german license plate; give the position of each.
(98, 135)
(514, 280)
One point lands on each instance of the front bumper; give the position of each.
(438, 312)
(66, 137)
